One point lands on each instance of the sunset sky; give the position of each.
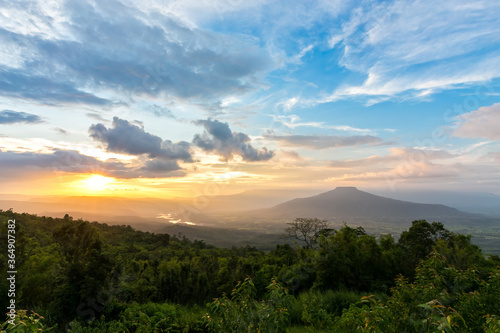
(183, 98)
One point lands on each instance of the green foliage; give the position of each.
(322, 305)
(24, 323)
(105, 278)
(316, 316)
(349, 258)
(418, 241)
(492, 324)
(243, 313)
(144, 318)
(441, 299)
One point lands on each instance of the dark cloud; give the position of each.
(120, 48)
(71, 161)
(325, 141)
(127, 138)
(219, 138)
(43, 89)
(160, 166)
(12, 117)
(58, 160)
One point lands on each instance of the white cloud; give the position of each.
(417, 172)
(297, 59)
(398, 156)
(197, 12)
(289, 103)
(481, 123)
(293, 121)
(35, 18)
(412, 49)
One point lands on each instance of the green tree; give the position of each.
(87, 269)
(442, 298)
(418, 241)
(349, 258)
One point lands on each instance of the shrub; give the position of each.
(243, 313)
(24, 323)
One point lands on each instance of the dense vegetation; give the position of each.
(91, 277)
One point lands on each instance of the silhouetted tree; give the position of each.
(306, 230)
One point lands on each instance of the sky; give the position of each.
(196, 97)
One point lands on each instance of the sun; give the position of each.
(97, 183)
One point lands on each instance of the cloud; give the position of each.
(26, 85)
(289, 103)
(411, 49)
(130, 139)
(13, 117)
(80, 50)
(324, 141)
(160, 166)
(291, 154)
(495, 156)
(219, 138)
(481, 123)
(19, 164)
(60, 160)
(288, 159)
(96, 116)
(61, 131)
(293, 121)
(398, 155)
(401, 165)
(404, 173)
(160, 111)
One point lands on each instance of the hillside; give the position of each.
(349, 202)
(71, 271)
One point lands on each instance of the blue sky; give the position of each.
(165, 97)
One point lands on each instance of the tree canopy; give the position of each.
(79, 276)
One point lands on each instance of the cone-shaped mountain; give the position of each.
(351, 202)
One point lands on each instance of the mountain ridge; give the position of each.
(353, 203)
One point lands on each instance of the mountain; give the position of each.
(349, 202)
(249, 200)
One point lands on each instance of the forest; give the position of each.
(81, 277)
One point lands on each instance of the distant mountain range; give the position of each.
(261, 209)
(258, 217)
(349, 202)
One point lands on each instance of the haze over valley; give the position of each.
(259, 217)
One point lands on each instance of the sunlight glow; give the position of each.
(98, 183)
